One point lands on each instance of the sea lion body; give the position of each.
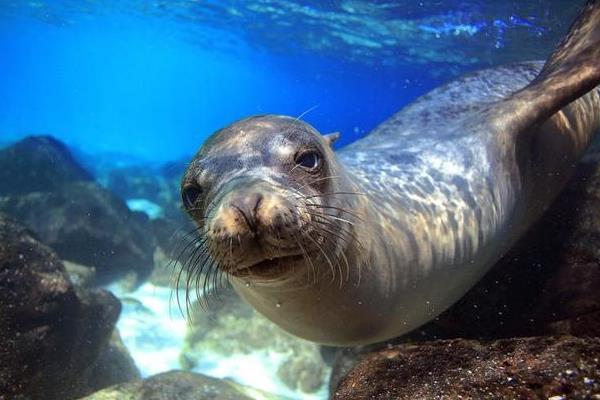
(438, 193)
(464, 197)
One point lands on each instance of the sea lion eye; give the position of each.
(310, 160)
(190, 195)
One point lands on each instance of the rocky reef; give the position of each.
(530, 329)
(44, 188)
(562, 367)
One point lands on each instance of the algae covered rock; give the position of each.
(52, 333)
(563, 367)
(180, 385)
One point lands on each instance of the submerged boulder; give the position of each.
(38, 163)
(180, 385)
(113, 366)
(83, 222)
(563, 367)
(52, 333)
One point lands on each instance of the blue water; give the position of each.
(153, 79)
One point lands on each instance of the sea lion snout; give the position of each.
(247, 205)
(252, 223)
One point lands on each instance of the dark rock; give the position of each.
(51, 332)
(526, 368)
(86, 224)
(113, 366)
(179, 385)
(38, 163)
(43, 187)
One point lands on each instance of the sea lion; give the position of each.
(368, 243)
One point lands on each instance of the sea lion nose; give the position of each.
(247, 205)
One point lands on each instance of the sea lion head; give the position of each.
(263, 194)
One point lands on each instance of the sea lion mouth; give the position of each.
(268, 268)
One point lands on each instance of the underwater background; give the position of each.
(118, 95)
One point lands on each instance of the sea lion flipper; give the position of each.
(572, 70)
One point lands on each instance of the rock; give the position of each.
(52, 332)
(302, 372)
(113, 366)
(138, 182)
(523, 368)
(179, 385)
(80, 275)
(87, 225)
(45, 189)
(38, 163)
(231, 328)
(157, 184)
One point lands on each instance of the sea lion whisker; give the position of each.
(177, 259)
(328, 224)
(330, 216)
(183, 238)
(333, 272)
(293, 168)
(352, 213)
(205, 283)
(326, 219)
(189, 277)
(215, 288)
(306, 256)
(299, 117)
(315, 181)
(320, 231)
(333, 194)
(185, 266)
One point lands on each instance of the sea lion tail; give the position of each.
(572, 70)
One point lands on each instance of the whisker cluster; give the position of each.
(327, 233)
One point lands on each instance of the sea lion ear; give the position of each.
(331, 138)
